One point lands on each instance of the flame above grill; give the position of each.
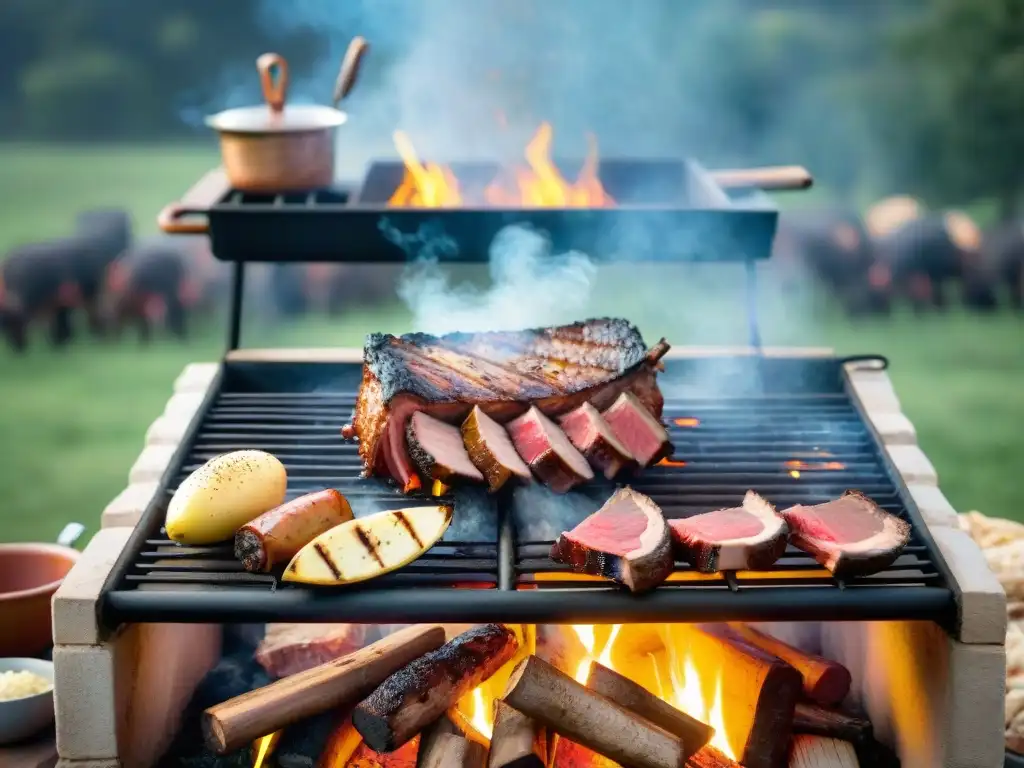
(538, 184)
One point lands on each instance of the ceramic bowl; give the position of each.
(29, 575)
(23, 718)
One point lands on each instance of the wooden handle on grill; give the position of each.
(171, 220)
(773, 178)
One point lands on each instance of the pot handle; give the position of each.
(274, 88)
(350, 68)
(774, 178)
(170, 222)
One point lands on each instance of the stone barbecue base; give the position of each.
(936, 698)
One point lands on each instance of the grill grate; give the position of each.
(805, 446)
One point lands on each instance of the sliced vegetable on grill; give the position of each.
(224, 494)
(369, 546)
(626, 540)
(851, 535)
(749, 537)
(276, 536)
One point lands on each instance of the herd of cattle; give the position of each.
(897, 252)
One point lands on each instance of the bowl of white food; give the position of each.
(26, 698)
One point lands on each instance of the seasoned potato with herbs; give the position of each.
(224, 494)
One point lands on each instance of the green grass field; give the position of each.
(72, 422)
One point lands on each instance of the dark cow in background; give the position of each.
(156, 281)
(835, 248)
(1004, 254)
(37, 284)
(103, 236)
(928, 254)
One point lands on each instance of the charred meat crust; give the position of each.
(426, 688)
(249, 549)
(578, 356)
(495, 472)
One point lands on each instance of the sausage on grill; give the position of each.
(277, 535)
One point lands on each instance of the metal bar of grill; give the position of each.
(492, 564)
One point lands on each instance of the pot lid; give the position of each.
(264, 119)
(274, 116)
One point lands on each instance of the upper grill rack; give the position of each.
(492, 564)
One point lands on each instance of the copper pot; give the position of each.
(275, 147)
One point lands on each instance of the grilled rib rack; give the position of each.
(490, 566)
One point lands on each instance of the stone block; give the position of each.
(75, 621)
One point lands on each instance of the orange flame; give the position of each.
(476, 709)
(686, 421)
(538, 185)
(263, 747)
(439, 489)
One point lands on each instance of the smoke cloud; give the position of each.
(529, 287)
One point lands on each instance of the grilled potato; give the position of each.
(370, 546)
(224, 494)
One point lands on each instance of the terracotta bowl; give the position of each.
(29, 575)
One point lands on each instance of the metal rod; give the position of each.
(552, 606)
(237, 293)
(506, 544)
(753, 322)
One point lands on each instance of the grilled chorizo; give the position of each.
(277, 535)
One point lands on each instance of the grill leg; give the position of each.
(235, 321)
(753, 322)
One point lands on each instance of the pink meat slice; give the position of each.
(851, 536)
(548, 452)
(438, 451)
(491, 451)
(749, 537)
(643, 435)
(593, 437)
(627, 540)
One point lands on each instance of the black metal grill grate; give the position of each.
(492, 563)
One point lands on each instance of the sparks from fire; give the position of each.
(671, 463)
(686, 421)
(538, 185)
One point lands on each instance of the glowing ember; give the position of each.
(833, 466)
(795, 474)
(439, 489)
(538, 185)
(686, 421)
(670, 463)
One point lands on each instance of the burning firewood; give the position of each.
(821, 752)
(826, 682)
(411, 698)
(451, 751)
(636, 698)
(818, 721)
(237, 722)
(364, 757)
(517, 741)
(759, 691)
(566, 707)
(709, 757)
(452, 723)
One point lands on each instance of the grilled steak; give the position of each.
(291, 648)
(556, 369)
(626, 540)
(638, 429)
(851, 536)
(437, 450)
(595, 440)
(491, 450)
(548, 452)
(750, 537)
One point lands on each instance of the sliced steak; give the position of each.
(595, 440)
(626, 540)
(556, 369)
(746, 538)
(291, 648)
(491, 450)
(437, 450)
(636, 428)
(851, 536)
(548, 452)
